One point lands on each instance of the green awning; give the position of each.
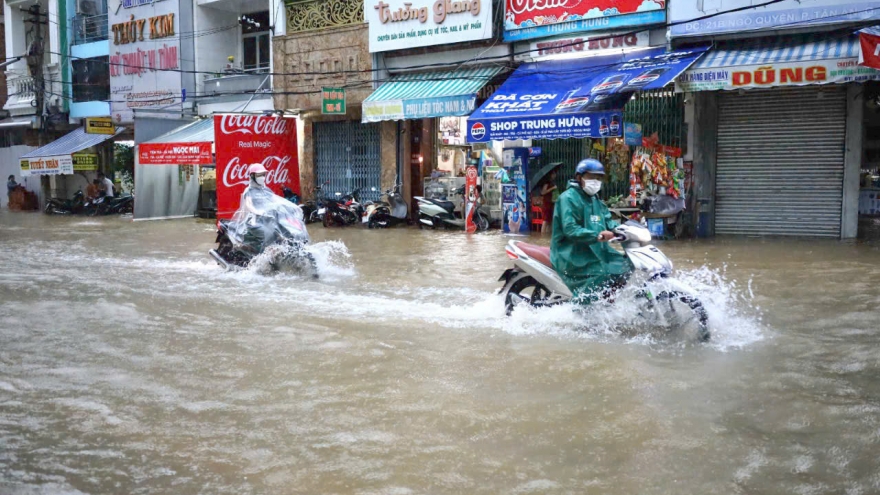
(427, 94)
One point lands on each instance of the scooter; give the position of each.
(392, 211)
(59, 206)
(439, 213)
(116, 205)
(534, 282)
(343, 210)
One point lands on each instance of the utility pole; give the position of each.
(35, 62)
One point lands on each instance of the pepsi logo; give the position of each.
(478, 130)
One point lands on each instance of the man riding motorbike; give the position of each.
(253, 225)
(582, 227)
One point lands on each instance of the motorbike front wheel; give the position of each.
(525, 290)
(682, 315)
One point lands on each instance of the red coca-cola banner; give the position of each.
(869, 44)
(175, 154)
(242, 140)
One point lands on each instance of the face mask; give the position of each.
(261, 179)
(591, 187)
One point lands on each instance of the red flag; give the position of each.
(869, 44)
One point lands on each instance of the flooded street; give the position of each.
(130, 363)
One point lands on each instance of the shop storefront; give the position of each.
(72, 162)
(568, 110)
(781, 132)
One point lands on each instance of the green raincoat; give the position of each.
(584, 263)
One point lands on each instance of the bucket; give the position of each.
(657, 227)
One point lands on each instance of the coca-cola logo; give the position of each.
(522, 6)
(253, 124)
(235, 173)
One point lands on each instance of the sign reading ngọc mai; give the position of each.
(398, 24)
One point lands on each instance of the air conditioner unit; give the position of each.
(87, 7)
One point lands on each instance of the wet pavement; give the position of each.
(129, 363)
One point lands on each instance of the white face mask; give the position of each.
(592, 187)
(260, 179)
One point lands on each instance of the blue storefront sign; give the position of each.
(688, 17)
(574, 98)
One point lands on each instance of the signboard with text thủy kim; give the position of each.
(399, 24)
(530, 19)
(144, 57)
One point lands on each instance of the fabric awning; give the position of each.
(793, 61)
(574, 98)
(56, 158)
(427, 94)
(190, 144)
(869, 47)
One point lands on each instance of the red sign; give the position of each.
(530, 13)
(175, 154)
(241, 141)
(869, 54)
(471, 195)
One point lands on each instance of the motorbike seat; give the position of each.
(446, 205)
(540, 254)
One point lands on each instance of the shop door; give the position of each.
(347, 155)
(780, 162)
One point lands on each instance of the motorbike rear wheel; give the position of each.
(525, 289)
(482, 222)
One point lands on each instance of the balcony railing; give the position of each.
(308, 15)
(232, 82)
(87, 29)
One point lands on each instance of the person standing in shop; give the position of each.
(549, 195)
(10, 187)
(107, 184)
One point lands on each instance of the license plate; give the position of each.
(322, 211)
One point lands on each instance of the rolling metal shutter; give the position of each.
(780, 162)
(347, 155)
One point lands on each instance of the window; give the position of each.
(91, 79)
(255, 42)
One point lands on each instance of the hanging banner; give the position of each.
(869, 47)
(175, 153)
(241, 141)
(529, 19)
(470, 187)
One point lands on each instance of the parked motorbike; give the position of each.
(342, 210)
(439, 213)
(389, 211)
(276, 234)
(60, 206)
(533, 281)
(116, 205)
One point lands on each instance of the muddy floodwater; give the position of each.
(131, 364)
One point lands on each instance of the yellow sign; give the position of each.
(100, 125)
(85, 162)
(25, 167)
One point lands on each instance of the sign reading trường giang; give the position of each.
(397, 24)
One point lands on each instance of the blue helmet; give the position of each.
(590, 166)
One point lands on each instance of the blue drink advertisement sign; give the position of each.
(574, 98)
(514, 196)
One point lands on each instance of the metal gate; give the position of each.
(780, 162)
(347, 155)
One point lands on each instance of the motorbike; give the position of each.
(59, 206)
(440, 213)
(534, 282)
(391, 210)
(116, 205)
(344, 210)
(276, 235)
